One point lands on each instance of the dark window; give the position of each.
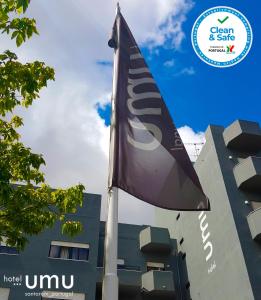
(187, 285)
(155, 268)
(83, 253)
(8, 250)
(177, 217)
(54, 251)
(121, 267)
(127, 267)
(69, 252)
(183, 256)
(181, 241)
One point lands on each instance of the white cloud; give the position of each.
(188, 71)
(64, 124)
(193, 141)
(166, 24)
(169, 63)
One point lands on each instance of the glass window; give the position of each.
(128, 267)
(83, 254)
(120, 263)
(54, 251)
(155, 266)
(66, 250)
(74, 253)
(122, 266)
(4, 249)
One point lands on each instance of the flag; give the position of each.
(148, 159)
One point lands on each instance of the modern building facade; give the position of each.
(221, 249)
(53, 265)
(212, 255)
(52, 253)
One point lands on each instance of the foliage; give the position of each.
(24, 209)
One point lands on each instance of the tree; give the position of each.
(26, 210)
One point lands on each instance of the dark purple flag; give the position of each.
(149, 159)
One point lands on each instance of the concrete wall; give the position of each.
(225, 268)
(251, 250)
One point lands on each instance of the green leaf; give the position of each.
(19, 39)
(72, 228)
(35, 209)
(14, 34)
(23, 4)
(19, 10)
(3, 17)
(29, 32)
(35, 30)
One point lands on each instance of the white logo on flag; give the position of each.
(134, 98)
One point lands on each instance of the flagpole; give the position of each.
(110, 280)
(110, 285)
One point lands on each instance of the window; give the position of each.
(187, 285)
(181, 241)
(178, 216)
(4, 293)
(154, 266)
(121, 266)
(120, 262)
(4, 249)
(183, 256)
(56, 295)
(64, 250)
(131, 268)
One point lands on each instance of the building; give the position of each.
(147, 264)
(221, 249)
(212, 255)
(46, 255)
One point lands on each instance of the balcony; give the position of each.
(129, 280)
(158, 283)
(155, 240)
(254, 222)
(248, 174)
(243, 136)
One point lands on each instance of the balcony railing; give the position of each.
(157, 240)
(254, 222)
(243, 136)
(158, 283)
(248, 174)
(129, 280)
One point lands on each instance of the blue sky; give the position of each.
(67, 125)
(197, 94)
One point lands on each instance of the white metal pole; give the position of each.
(110, 279)
(110, 285)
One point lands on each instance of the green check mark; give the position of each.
(222, 21)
